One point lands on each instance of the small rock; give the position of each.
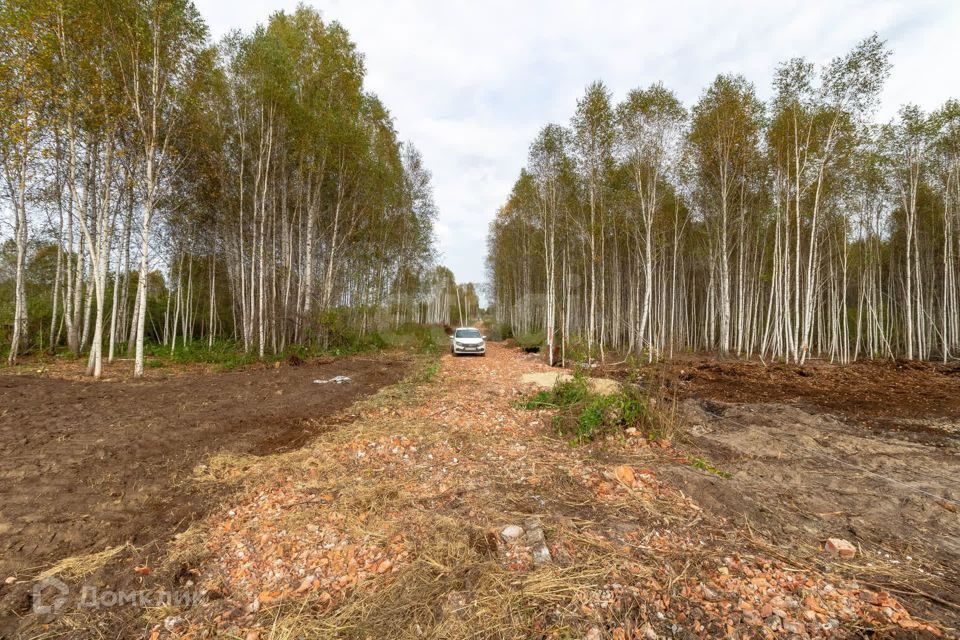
(840, 547)
(537, 542)
(541, 554)
(594, 634)
(458, 603)
(306, 584)
(793, 627)
(625, 475)
(10, 580)
(172, 622)
(511, 532)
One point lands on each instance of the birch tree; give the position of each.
(593, 141)
(23, 93)
(650, 124)
(160, 40)
(724, 134)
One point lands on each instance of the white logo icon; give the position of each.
(58, 600)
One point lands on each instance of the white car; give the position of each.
(467, 340)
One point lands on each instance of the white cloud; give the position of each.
(471, 83)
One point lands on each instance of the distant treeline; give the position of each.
(791, 228)
(162, 188)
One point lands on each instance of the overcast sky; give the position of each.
(471, 83)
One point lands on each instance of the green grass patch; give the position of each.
(703, 465)
(428, 372)
(583, 416)
(227, 355)
(563, 395)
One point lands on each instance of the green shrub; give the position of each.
(230, 354)
(417, 337)
(563, 395)
(583, 415)
(227, 354)
(603, 414)
(499, 331)
(576, 350)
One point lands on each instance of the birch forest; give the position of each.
(797, 227)
(162, 189)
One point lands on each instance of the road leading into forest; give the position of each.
(447, 510)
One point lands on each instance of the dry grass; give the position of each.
(80, 566)
(625, 551)
(456, 588)
(458, 582)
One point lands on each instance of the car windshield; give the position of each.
(468, 333)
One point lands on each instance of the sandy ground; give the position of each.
(442, 509)
(546, 380)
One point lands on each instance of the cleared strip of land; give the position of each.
(443, 508)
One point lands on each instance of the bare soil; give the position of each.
(86, 466)
(869, 452)
(909, 400)
(546, 380)
(393, 524)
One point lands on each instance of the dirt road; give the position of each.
(444, 509)
(455, 512)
